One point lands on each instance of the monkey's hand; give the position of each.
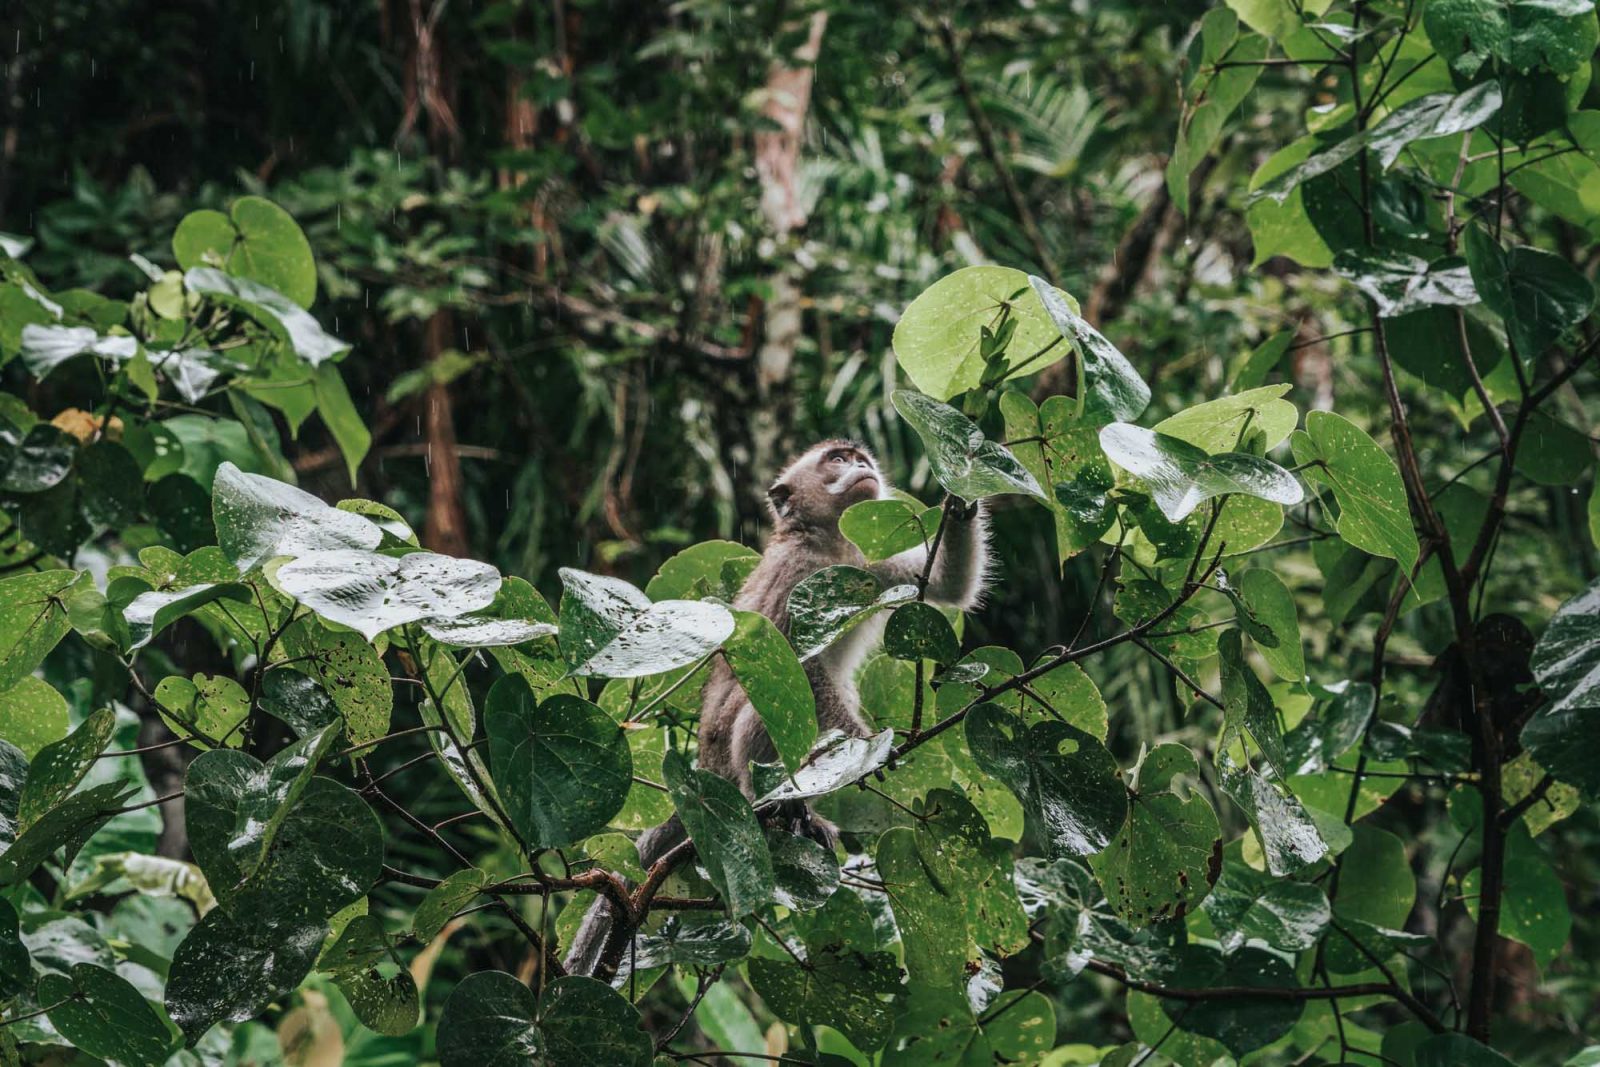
(965, 510)
(797, 817)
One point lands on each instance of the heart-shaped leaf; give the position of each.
(277, 844)
(963, 460)
(1373, 513)
(775, 684)
(726, 836)
(1224, 424)
(837, 761)
(231, 968)
(33, 619)
(920, 631)
(937, 338)
(102, 1014)
(1181, 476)
(241, 804)
(612, 630)
(562, 766)
(257, 239)
(1169, 850)
(884, 528)
(1115, 391)
(824, 606)
(281, 316)
(1064, 777)
(493, 1020)
(370, 592)
(258, 518)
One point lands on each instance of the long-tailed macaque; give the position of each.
(806, 501)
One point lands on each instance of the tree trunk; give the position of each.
(778, 165)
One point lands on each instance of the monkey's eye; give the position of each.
(837, 457)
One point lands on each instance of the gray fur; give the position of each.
(806, 501)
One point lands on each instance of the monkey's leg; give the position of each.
(590, 940)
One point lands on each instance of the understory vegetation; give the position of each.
(388, 395)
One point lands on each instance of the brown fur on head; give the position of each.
(817, 487)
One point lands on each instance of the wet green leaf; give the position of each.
(937, 338)
(1523, 34)
(231, 968)
(102, 1014)
(372, 976)
(1225, 424)
(963, 460)
(1373, 513)
(257, 239)
(705, 562)
(68, 824)
(1115, 392)
(1273, 607)
(931, 917)
(1249, 905)
(1181, 476)
(32, 715)
(1163, 860)
(370, 592)
(775, 684)
(688, 940)
(727, 838)
(59, 766)
(444, 900)
(1063, 454)
(258, 518)
(352, 675)
(562, 766)
(612, 630)
(919, 631)
(1241, 1022)
(493, 1020)
(1539, 295)
(213, 706)
(884, 528)
(1064, 777)
(280, 316)
(33, 619)
(236, 806)
(837, 761)
(806, 874)
(826, 605)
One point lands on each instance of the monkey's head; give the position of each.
(814, 490)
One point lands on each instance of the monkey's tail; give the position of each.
(589, 943)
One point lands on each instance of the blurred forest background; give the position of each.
(606, 263)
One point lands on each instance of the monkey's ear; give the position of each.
(780, 499)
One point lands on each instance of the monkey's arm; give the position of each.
(960, 569)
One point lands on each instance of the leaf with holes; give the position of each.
(610, 629)
(1064, 777)
(828, 604)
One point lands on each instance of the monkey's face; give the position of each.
(817, 488)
